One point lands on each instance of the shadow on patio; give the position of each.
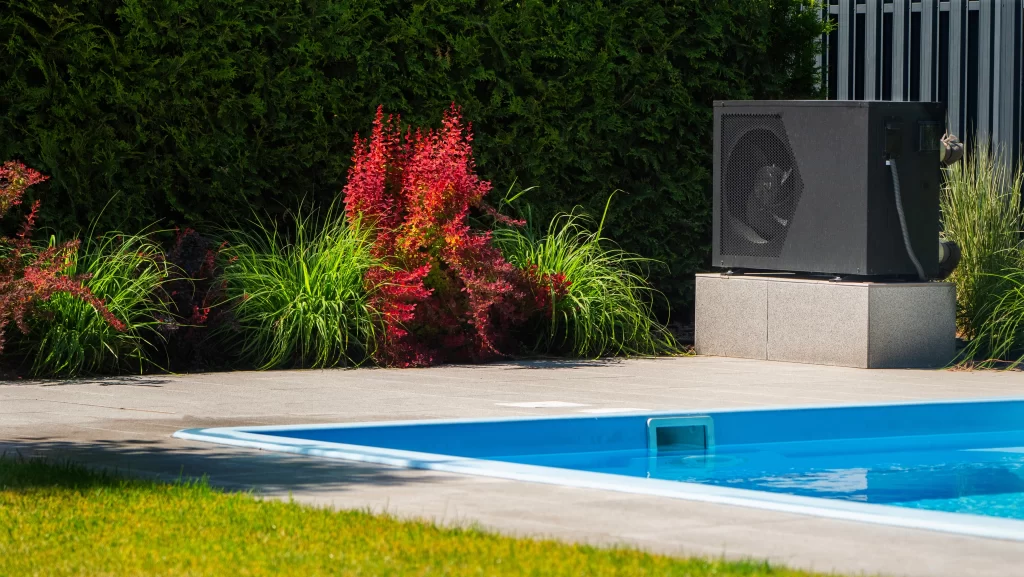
(226, 467)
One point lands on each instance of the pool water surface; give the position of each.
(970, 475)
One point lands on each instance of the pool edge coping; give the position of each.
(905, 517)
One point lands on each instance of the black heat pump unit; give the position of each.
(808, 187)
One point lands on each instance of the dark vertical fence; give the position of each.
(966, 53)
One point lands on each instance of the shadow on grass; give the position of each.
(18, 472)
(230, 468)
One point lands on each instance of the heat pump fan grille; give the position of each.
(760, 182)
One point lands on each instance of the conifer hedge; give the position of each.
(196, 111)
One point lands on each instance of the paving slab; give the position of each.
(125, 424)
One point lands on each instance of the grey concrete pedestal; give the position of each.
(854, 324)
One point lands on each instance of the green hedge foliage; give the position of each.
(197, 111)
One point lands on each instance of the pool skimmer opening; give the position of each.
(680, 435)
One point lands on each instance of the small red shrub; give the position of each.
(445, 292)
(196, 295)
(29, 275)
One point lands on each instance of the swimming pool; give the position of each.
(954, 466)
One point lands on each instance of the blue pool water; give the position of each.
(959, 457)
(928, 474)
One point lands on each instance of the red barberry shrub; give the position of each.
(28, 274)
(445, 293)
(196, 294)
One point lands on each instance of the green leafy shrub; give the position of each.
(981, 211)
(297, 295)
(70, 337)
(601, 301)
(193, 111)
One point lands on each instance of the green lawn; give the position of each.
(66, 520)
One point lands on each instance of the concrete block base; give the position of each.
(853, 324)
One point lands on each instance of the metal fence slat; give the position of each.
(872, 26)
(929, 46)
(1008, 117)
(984, 64)
(957, 35)
(899, 44)
(843, 88)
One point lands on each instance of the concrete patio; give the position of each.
(126, 423)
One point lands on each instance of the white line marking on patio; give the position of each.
(612, 410)
(541, 404)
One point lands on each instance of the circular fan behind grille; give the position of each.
(761, 188)
(760, 185)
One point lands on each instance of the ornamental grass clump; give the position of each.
(297, 294)
(443, 290)
(30, 275)
(70, 337)
(999, 339)
(982, 213)
(600, 300)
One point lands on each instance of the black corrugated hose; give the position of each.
(903, 219)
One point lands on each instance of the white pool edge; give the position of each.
(958, 523)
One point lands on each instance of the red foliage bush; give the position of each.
(196, 295)
(29, 275)
(445, 292)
